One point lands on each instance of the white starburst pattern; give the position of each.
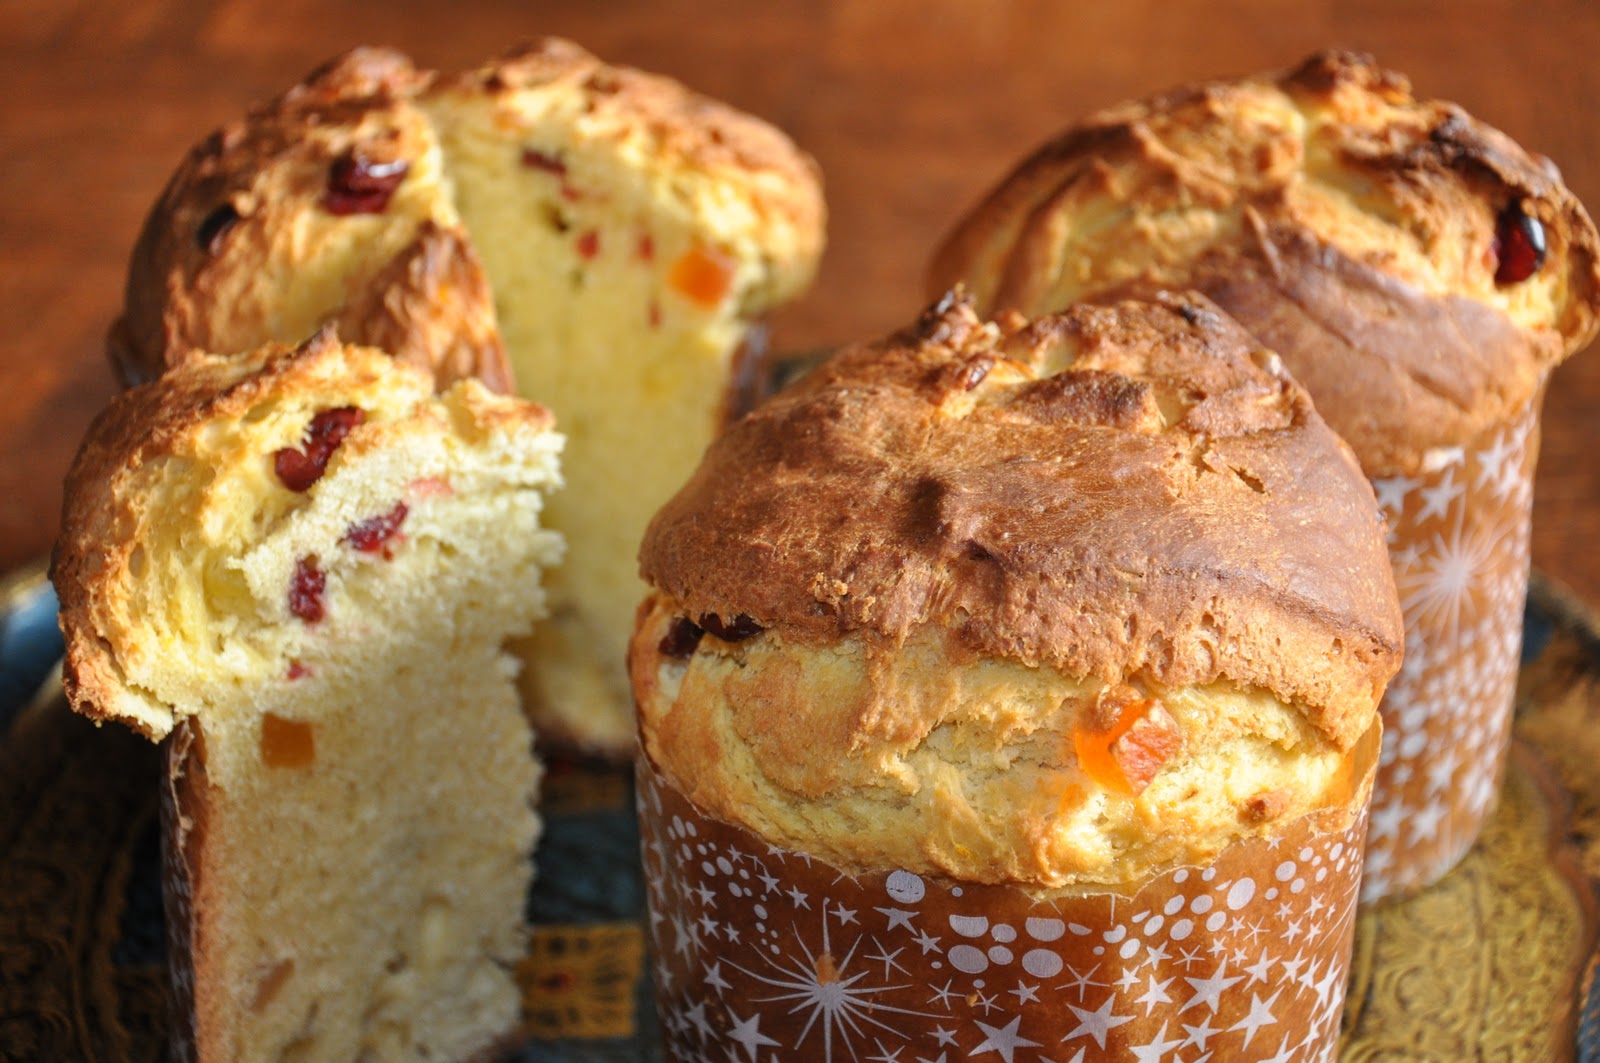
(1170, 970)
(1460, 557)
(1446, 584)
(825, 989)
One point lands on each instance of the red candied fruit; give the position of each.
(305, 590)
(681, 639)
(737, 629)
(647, 248)
(298, 670)
(534, 159)
(359, 185)
(588, 244)
(371, 535)
(299, 469)
(1519, 245)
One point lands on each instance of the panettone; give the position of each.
(603, 237)
(1419, 272)
(1011, 685)
(301, 568)
(1421, 275)
(1056, 603)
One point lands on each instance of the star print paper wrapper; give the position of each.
(764, 955)
(1458, 540)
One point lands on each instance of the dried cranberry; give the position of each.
(1519, 245)
(305, 590)
(738, 629)
(681, 639)
(215, 226)
(588, 244)
(534, 159)
(298, 670)
(299, 469)
(358, 185)
(370, 536)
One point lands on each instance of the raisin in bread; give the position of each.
(616, 235)
(301, 569)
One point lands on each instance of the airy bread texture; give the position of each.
(319, 623)
(603, 237)
(1054, 603)
(1354, 229)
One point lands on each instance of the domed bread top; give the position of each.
(1117, 491)
(285, 220)
(204, 506)
(336, 202)
(1417, 269)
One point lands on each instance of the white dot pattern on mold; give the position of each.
(1458, 540)
(768, 955)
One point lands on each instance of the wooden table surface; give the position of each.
(912, 108)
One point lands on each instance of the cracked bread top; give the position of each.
(1115, 491)
(1418, 270)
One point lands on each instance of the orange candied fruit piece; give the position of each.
(287, 743)
(702, 275)
(1103, 755)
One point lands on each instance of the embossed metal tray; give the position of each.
(1496, 962)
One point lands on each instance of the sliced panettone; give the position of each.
(605, 236)
(302, 569)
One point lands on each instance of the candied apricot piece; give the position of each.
(287, 743)
(1125, 739)
(702, 275)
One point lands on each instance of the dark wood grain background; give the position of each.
(911, 108)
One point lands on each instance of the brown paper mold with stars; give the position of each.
(1011, 688)
(1421, 274)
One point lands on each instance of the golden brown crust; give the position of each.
(1349, 225)
(431, 307)
(105, 517)
(218, 264)
(193, 281)
(1111, 492)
